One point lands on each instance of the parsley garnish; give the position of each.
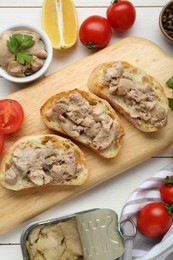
(170, 102)
(169, 83)
(18, 44)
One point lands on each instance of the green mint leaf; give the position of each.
(170, 82)
(23, 57)
(170, 102)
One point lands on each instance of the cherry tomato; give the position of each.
(121, 15)
(153, 219)
(95, 32)
(1, 143)
(11, 116)
(166, 190)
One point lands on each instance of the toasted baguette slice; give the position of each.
(104, 80)
(35, 161)
(90, 101)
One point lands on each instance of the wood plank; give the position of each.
(10, 252)
(112, 194)
(80, 3)
(136, 147)
(110, 197)
(145, 17)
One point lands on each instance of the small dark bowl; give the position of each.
(166, 11)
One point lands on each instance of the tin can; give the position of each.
(98, 231)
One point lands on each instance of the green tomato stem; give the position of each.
(115, 1)
(91, 46)
(168, 181)
(169, 209)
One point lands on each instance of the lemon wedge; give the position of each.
(60, 23)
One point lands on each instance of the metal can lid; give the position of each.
(99, 235)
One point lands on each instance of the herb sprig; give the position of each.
(18, 44)
(169, 83)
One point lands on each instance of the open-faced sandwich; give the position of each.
(40, 160)
(132, 92)
(86, 118)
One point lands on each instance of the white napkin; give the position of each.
(141, 247)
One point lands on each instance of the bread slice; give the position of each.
(82, 106)
(35, 161)
(143, 103)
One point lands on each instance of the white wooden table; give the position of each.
(114, 193)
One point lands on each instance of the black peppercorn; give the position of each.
(167, 20)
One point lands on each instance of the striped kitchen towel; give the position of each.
(141, 247)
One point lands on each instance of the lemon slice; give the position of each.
(60, 23)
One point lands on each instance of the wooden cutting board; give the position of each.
(19, 206)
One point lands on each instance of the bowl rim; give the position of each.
(48, 47)
(160, 20)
